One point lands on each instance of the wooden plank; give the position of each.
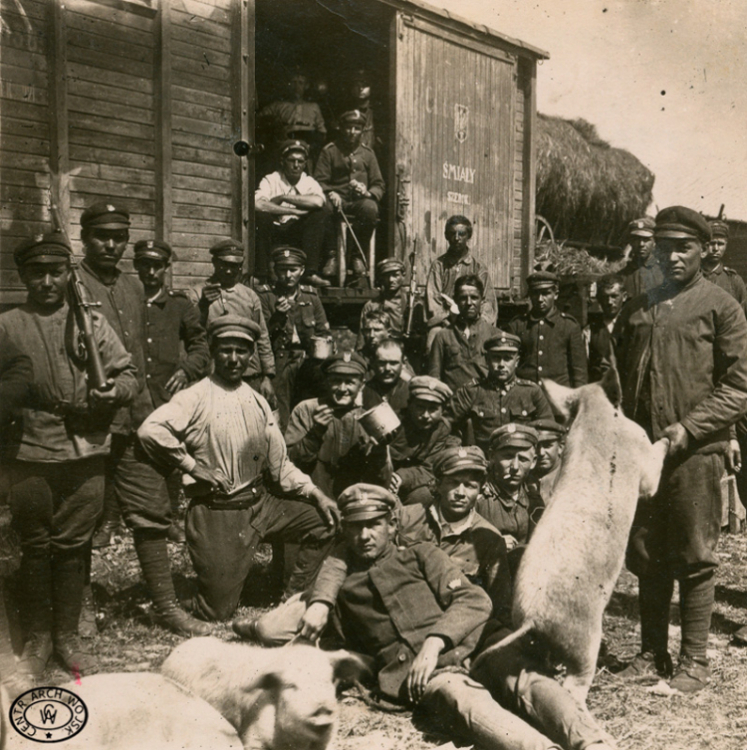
(202, 40)
(95, 155)
(211, 213)
(112, 187)
(198, 83)
(186, 153)
(190, 21)
(528, 75)
(195, 269)
(110, 62)
(208, 11)
(24, 59)
(25, 111)
(25, 178)
(26, 144)
(20, 229)
(16, 75)
(114, 94)
(22, 37)
(201, 184)
(15, 194)
(196, 111)
(94, 139)
(242, 81)
(164, 107)
(24, 212)
(111, 110)
(110, 29)
(202, 98)
(12, 126)
(32, 8)
(130, 46)
(115, 127)
(201, 127)
(194, 239)
(108, 172)
(194, 52)
(219, 145)
(202, 170)
(79, 201)
(203, 68)
(202, 199)
(93, 74)
(195, 226)
(195, 252)
(93, 9)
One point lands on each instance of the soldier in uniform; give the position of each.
(139, 488)
(682, 359)
(642, 272)
(423, 435)
(392, 297)
(552, 345)
(499, 397)
(550, 445)
(291, 209)
(457, 351)
(360, 99)
(294, 315)
(712, 263)
(55, 464)
(350, 175)
(225, 294)
(386, 382)
(612, 296)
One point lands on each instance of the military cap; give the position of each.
(285, 255)
(719, 228)
(543, 275)
(547, 428)
(360, 76)
(354, 116)
(643, 227)
(362, 502)
(347, 363)
(155, 249)
(293, 144)
(235, 327)
(389, 264)
(228, 250)
(460, 458)
(43, 248)
(679, 222)
(518, 435)
(426, 388)
(504, 342)
(103, 214)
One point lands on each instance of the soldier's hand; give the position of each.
(283, 305)
(266, 390)
(422, 667)
(678, 438)
(328, 508)
(212, 477)
(104, 398)
(211, 292)
(395, 483)
(359, 187)
(176, 382)
(335, 200)
(314, 621)
(511, 542)
(323, 415)
(734, 457)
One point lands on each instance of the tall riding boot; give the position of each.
(87, 627)
(153, 555)
(111, 519)
(13, 680)
(69, 575)
(35, 583)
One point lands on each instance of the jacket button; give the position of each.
(402, 657)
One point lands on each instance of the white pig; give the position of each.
(574, 557)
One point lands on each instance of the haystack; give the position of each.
(587, 190)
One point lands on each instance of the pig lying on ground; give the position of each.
(276, 699)
(574, 557)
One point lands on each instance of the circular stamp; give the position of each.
(48, 714)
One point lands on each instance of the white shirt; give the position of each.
(275, 184)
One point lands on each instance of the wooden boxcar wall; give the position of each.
(127, 103)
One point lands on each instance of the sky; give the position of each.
(664, 79)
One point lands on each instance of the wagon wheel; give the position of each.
(542, 231)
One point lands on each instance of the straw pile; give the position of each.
(586, 190)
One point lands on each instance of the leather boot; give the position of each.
(111, 520)
(35, 656)
(12, 678)
(75, 657)
(35, 583)
(153, 555)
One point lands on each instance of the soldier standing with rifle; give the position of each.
(82, 375)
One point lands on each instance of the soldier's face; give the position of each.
(457, 235)
(679, 258)
(714, 251)
(549, 450)
(469, 302)
(152, 273)
(392, 281)
(425, 414)
(343, 388)
(641, 247)
(510, 465)
(502, 365)
(293, 165)
(298, 85)
(45, 282)
(104, 247)
(374, 332)
(231, 357)
(289, 276)
(226, 273)
(351, 134)
(368, 539)
(611, 300)
(387, 365)
(458, 493)
(361, 91)
(543, 299)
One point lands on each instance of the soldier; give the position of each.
(291, 209)
(170, 318)
(457, 261)
(224, 294)
(642, 272)
(552, 345)
(294, 315)
(713, 268)
(499, 397)
(550, 445)
(457, 351)
(598, 334)
(223, 435)
(351, 178)
(55, 464)
(423, 435)
(386, 383)
(360, 99)
(139, 488)
(392, 298)
(683, 365)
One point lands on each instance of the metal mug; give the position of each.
(379, 421)
(322, 347)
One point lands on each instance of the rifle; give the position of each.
(88, 351)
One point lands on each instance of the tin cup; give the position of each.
(322, 347)
(380, 421)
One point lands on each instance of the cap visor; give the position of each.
(152, 254)
(642, 233)
(430, 397)
(47, 259)
(675, 234)
(109, 225)
(464, 468)
(234, 335)
(364, 515)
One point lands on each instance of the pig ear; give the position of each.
(347, 667)
(610, 383)
(561, 399)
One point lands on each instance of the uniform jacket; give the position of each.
(122, 306)
(516, 517)
(457, 360)
(730, 281)
(397, 398)
(56, 425)
(640, 279)
(16, 375)
(490, 406)
(336, 167)
(600, 348)
(395, 307)
(294, 329)
(291, 117)
(551, 347)
(682, 357)
(170, 318)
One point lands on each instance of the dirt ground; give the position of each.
(639, 715)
